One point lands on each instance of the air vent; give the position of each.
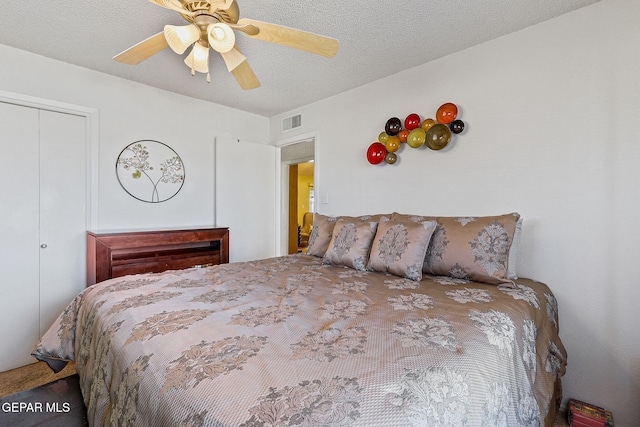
(291, 123)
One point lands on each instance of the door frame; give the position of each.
(92, 135)
(282, 188)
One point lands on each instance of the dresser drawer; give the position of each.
(160, 265)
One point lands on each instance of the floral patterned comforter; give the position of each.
(289, 341)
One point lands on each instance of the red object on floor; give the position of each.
(582, 414)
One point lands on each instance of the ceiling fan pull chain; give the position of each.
(208, 77)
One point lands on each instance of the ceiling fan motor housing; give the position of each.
(219, 11)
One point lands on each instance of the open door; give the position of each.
(245, 199)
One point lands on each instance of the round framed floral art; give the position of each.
(150, 171)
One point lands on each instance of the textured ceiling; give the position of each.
(377, 39)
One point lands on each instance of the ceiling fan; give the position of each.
(211, 24)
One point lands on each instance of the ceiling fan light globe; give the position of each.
(221, 37)
(217, 33)
(198, 58)
(180, 38)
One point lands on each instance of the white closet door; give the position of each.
(63, 195)
(246, 197)
(42, 224)
(19, 237)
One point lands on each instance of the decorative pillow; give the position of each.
(320, 234)
(323, 229)
(350, 244)
(400, 247)
(475, 248)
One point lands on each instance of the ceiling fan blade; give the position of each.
(297, 39)
(248, 29)
(233, 58)
(143, 50)
(174, 5)
(245, 76)
(238, 66)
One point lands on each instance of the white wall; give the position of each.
(129, 112)
(553, 133)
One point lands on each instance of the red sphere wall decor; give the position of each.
(417, 133)
(376, 153)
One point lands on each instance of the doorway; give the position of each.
(301, 205)
(298, 194)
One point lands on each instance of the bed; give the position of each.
(356, 336)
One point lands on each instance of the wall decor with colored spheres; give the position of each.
(416, 133)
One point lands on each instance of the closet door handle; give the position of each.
(43, 246)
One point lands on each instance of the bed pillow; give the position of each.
(474, 248)
(399, 247)
(350, 243)
(320, 234)
(323, 229)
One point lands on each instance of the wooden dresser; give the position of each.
(118, 254)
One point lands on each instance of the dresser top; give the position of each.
(154, 230)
